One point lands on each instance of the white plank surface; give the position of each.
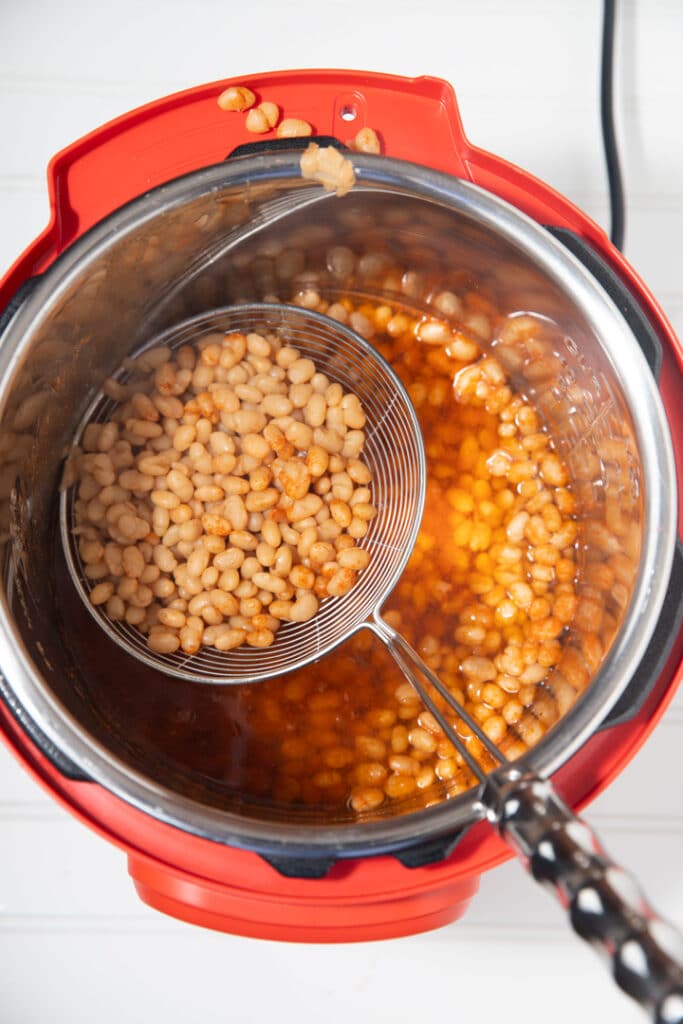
(76, 946)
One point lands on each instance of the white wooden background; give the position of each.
(75, 944)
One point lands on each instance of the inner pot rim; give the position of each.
(659, 530)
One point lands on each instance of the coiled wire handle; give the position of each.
(606, 906)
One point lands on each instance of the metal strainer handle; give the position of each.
(605, 904)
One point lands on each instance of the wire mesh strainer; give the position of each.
(393, 451)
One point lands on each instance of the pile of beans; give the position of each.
(225, 495)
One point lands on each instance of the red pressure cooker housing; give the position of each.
(208, 883)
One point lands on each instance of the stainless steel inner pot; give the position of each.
(252, 228)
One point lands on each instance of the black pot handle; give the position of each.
(619, 293)
(283, 145)
(414, 855)
(291, 866)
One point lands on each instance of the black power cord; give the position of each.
(616, 188)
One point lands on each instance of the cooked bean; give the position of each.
(266, 581)
(302, 577)
(165, 499)
(262, 118)
(172, 617)
(293, 127)
(230, 559)
(265, 553)
(216, 525)
(132, 480)
(364, 511)
(353, 558)
(329, 439)
(244, 540)
(283, 558)
(163, 642)
(236, 97)
(422, 740)
(304, 507)
(133, 561)
(228, 639)
(260, 501)
(209, 493)
(91, 550)
(304, 608)
(315, 410)
(197, 562)
(260, 638)
(236, 511)
(341, 582)
(101, 593)
(357, 528)
(366, 141)
(398, 786)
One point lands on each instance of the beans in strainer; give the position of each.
(225, 495)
